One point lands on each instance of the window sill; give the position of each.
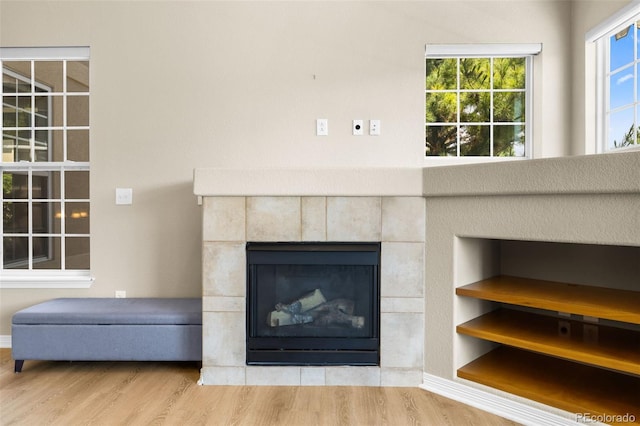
(84, 281)
(622, 150)
(430, 161)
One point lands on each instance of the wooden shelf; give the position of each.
(563, 384)
(583, 367)
(609, 347)
(605, 303)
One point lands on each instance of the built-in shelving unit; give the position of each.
(579, 365)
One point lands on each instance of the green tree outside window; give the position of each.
(475, 106)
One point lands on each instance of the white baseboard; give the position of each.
(5, 341)
(495, 404)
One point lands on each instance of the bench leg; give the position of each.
(18, 366)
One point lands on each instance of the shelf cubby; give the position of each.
(579, 365)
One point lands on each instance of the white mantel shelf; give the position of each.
(604, 174)
(355, 182)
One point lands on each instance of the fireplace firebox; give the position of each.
(313, 303)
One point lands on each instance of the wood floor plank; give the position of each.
(157, 393)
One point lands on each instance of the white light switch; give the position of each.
(124, 196)
(322, 127)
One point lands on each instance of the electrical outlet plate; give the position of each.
(121, 294)
(374, 127)
(358, 127)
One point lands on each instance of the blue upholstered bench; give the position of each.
(107, 329)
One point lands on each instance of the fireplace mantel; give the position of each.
(383, 181)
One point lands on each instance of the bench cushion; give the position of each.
(96, 311)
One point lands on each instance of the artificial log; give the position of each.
(281, 318)
(295, 312)
(337, 312)
(304, 304)
(314, 308)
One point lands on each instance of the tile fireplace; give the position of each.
(327, 209)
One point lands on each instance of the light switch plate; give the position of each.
(124, 196)
(322, 127)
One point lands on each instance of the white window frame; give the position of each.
(47, 278)
(599, 36)
(32, 153)
(492, 50)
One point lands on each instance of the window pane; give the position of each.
(441, 140)
(56, 218)
(9, 111)
(16, 252)
(12, 84)
(16, 146)
(8, 146)
(509, 106)
(78, 145)
(475, 140)
(475, 107)
(509, 73)
(508, 141)
(16, 111)
(638, 125)
(621, 129)
(42, 111)
(46, 218)
(76, 185)
(77, 76)
(15, 185)
(23, 148)
(441, 107)
(44, 185)
(48, 145)
(442, 74)
(475, 73)
(77, 218)
(23, 104)
(46, 253)
(77, 250)
(50, 74)
(621, 88)
(77, 110)
(14, 217)
(41, 145)
(621, 48)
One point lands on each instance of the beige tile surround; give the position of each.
(396, 221)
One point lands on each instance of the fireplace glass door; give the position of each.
(313, 303)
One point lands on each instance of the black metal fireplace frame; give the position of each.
(314, 350)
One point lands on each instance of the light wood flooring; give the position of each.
(162, 393)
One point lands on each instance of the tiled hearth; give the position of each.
(398, 222)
